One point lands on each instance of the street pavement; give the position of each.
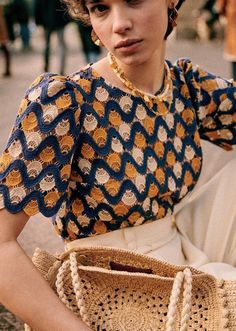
(26, 66)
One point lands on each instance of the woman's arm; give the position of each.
(214, 100)
(22, 288)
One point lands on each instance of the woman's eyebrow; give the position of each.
(87, 2)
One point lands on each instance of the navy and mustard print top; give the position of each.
(98, 159)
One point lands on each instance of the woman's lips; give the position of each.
(127, 42)
(128, 45)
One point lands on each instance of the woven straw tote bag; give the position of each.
(119, 290)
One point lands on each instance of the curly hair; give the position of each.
(77, 9)
(170, 27)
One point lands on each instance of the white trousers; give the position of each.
(202, 232)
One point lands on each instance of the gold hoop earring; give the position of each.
(173, 15)
(95, 39)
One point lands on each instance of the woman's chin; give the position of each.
(132, 60)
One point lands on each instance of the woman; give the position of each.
(228, 9)
(52, 17)
(110, 151)
(4, 42)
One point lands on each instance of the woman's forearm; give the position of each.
(24, 291)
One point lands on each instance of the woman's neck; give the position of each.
(147, 77)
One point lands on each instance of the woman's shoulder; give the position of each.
(48, 96)
(181, 65)
(193, 73)
(59, 90)
(85, 72)
(84, 79)
(47, 86)
(189, 69)
(51, 94)
(54, 82)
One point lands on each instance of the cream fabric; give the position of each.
(202, 232)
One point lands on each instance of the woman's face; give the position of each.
(133, 30)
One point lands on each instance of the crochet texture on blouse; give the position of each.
(98, 159)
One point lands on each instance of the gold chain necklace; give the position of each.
(150, 99)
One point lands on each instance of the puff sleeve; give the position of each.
(214, 99)
(35, 166)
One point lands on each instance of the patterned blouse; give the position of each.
(99, 159)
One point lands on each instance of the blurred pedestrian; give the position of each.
(211, 16)
(9, 19)
(90, 49)
(4, 42)
(227, 8)
(51, 15)
(17, 12)
(22, 15)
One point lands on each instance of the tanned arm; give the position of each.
(22, 288)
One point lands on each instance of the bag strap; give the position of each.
(77, 288)
(182, 278)
(71, 264)
(60, 285)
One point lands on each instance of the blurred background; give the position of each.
(37, 35)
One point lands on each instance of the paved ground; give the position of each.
(25, 67)
(9, 322)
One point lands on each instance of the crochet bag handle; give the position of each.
(185, 277)
(73, 265)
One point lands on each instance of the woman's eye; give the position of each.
(98, 9)
(132, 1)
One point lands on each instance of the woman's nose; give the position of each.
(121, 21)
